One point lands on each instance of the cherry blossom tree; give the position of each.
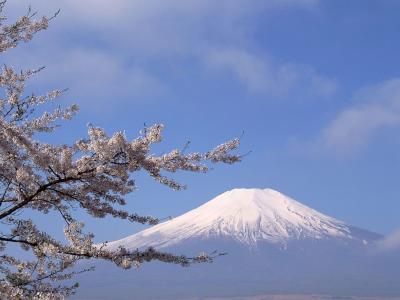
(93, 174)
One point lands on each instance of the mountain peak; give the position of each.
(246, 216)
(263, 200)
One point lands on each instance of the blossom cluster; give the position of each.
(93, 174)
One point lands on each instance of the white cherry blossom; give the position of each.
(94, 174)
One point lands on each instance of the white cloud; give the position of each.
(91, 75)
(96, 69)
(158, 26)
(172, 31)
(253, 71)
(165, 27)
(260, 74)
(104, 11)
(377, 108)
(390, 242)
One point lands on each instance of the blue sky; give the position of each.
(314, 86)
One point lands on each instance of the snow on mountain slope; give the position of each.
(246, 216)
(274, 244)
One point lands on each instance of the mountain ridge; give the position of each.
(247, 216)
(273, 245)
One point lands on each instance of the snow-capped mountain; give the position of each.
(274, 245)
(247, 216)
